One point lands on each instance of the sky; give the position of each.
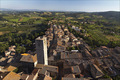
(63, 5)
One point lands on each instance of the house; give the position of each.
(64, 78)
(10, 59)
(99, 61)
(74, 39)
(12, 54)
(86, 53)
(73, 27)
(77, 42)
(52, 69)
(48, 78)
(2, 68)
(95, 71)
(11, 68)
(85, 69)
(3, 74)
(75, 70)
(3, 61)
(71, 56)
(32, 76)
(74, 51)
(43, 72)
(60, 47)
(54, 52)
(7, 53)
(29, 59)
(29, 62)
(105, 79)
(67, 70)
(24, 77)
(40, 66)
(65, 29)
(12, 49)
(51, 60)
(75, 56)
(47, 70)
(12, 76)
(44, 77)
(117, 49)
(69, 76)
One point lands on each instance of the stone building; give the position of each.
(41, 50)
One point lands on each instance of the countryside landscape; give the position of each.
(59, 45)
(97, 29)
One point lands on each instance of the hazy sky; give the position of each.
(63, 5)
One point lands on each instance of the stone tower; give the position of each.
(41, 50)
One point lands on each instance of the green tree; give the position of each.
(20, 49)
(28, 42)
(73, 48)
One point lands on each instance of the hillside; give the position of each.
(22, 27)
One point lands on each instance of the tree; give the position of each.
(20, 49)
(68, 48)
(73, 48)
(15, 70)
(106, 76)
(28, 42)
(3, 47)
(116, 77)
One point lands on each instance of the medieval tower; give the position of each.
(41, 50)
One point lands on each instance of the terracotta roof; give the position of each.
(75, 69)
(103, 47)
(3, 59)
(117, 49)
(71, 56)
(51, 68)
(31, 77)
(95, 71)
(41, 77)
(40, 66)
(64, 78)
(3, 74)
(43, 71)
(29, 58)
(51, 58)
(105, 79)
(12, 53)
(11, 68)
(34, 58)
(69, 75)
(35, 71)
(12, 76)
(48, 78)
(24, 76)
(75, 55)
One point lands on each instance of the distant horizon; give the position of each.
(7, 9)
(63, 5)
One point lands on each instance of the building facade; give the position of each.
(41, 50)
